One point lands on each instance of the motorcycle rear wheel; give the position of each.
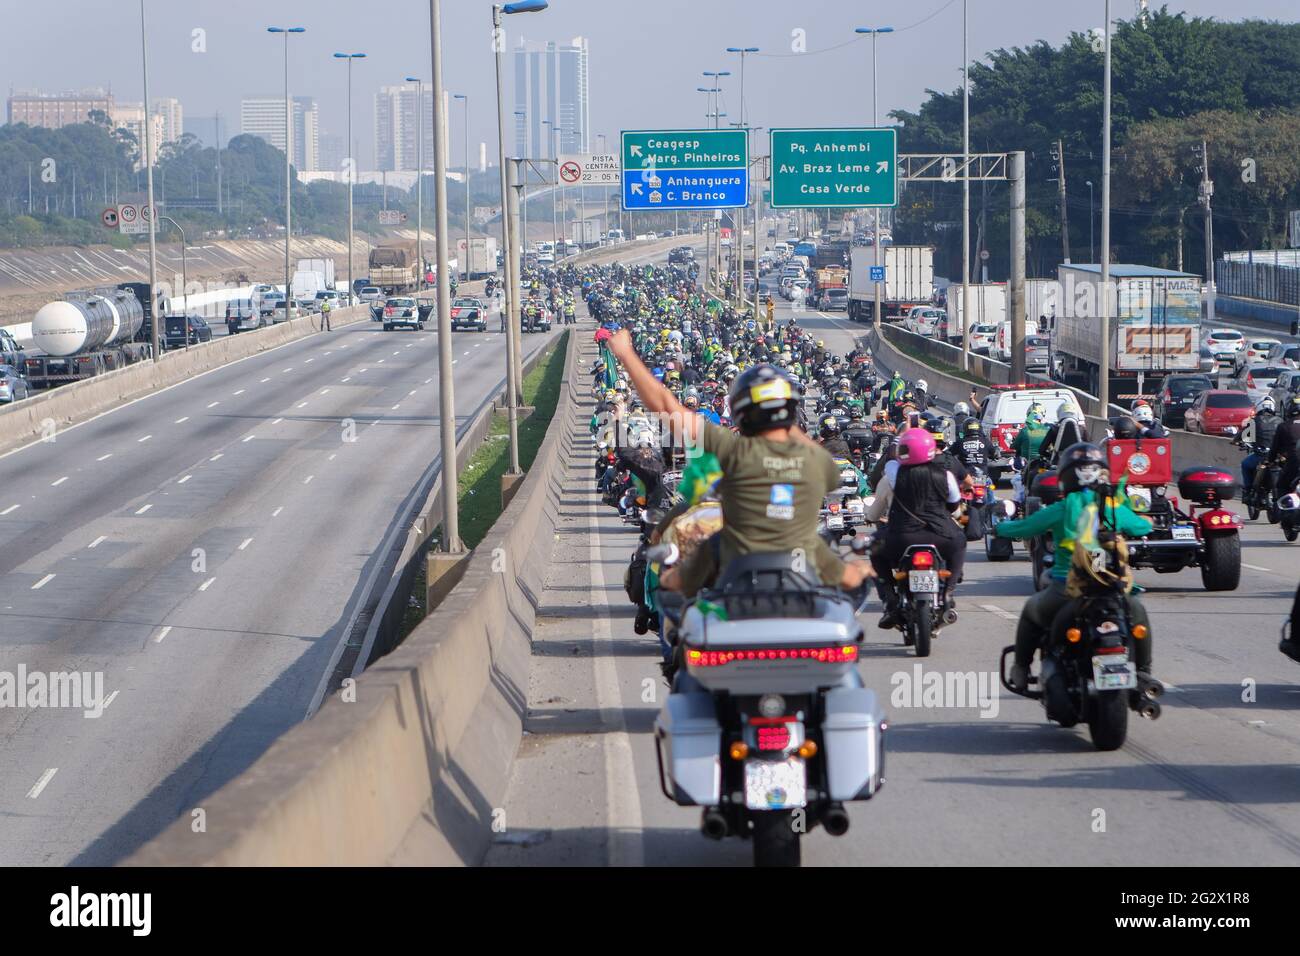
(1109, 722)
(921, 626)
(776, 842)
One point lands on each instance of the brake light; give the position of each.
(923, 559)
(773, 738)
(845, 654)
(1250, 380)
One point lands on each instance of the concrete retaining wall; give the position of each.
(57, 408)
(410, 771)
(1189, 449)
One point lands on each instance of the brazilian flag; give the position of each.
(608, 375)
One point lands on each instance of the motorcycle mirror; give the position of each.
(663, 554)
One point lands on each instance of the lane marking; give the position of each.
(55, 484)
(427, 381)
(104, 457)
(348, 379)
(277, 421)
(97, 541)
(396, 407)
(277, 511)
(283, 371)
(145, 438)
(111, 697)
(220, 454)
(181, 420)
(246, 542)
(263, 381)
(303, 405)
(411, 392)
(10, 508)
(308, 479)
(241, 391)
(42, 582)
(185, 479)
(249, 438)
(308, 362)
(144, 509)
(380, 362)
(214, 405)
(1256, 567)
(332, 457)
(206, 584)
(324, 391)
(1005, 615)
(40, 784)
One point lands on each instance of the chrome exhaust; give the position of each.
(1149, 709)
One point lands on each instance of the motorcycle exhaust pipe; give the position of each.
(835, 819)
(714, 824)
(1150, 687)
(1148, 708)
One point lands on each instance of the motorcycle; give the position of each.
(921, 583)
(769, 728)
(1265, 497)
(1086, 674)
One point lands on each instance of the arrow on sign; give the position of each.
(636, 189)
(882, 166)
(634, 149)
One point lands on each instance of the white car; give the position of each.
(983, 338)
(1256, 351)
(1226, 344)
(923, 320)
(1257, 379)
(371, 293)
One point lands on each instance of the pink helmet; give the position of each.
(916, 447)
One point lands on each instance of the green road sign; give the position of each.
(685, 169)
(685, 149)
(847, 168)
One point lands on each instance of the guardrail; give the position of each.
(409, 768)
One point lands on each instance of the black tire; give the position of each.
(997, 549)
(776, 842)
(1290, 533)
(1109, 722)
(922, 626)
(1253, 512)
(1274, 512)
(1221, 566)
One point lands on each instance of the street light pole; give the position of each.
(288, 168)
(875, 212)
(1092, 218)
(154, 317)
(965, 189)
(351, 166)
(523, 199)
(465, 99)
(1103, 372)
(740, 232)
(419, 181)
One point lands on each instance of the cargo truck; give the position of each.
(988, 305)
(324, 268)
(480, 260)
(909, 281)
(1154, 330)
(88, 333)
(394, 268)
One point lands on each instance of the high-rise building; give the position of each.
(54, 110)
(130, 117)
(551, 85)
(333, 150)
(263, 117)
(397, 126)
(173, 118)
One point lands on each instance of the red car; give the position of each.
(1219, 411)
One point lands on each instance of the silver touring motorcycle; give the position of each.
(768, 727)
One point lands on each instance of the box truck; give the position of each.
(909, 281)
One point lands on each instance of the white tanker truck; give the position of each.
(88, 333)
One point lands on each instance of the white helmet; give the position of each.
(1265, 404)
(1144, 414)
(1068, 410)
(922, 384)
(961, 408)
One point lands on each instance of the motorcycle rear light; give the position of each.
(1117, 649)
(844, 654)
(1074, 635)
(739, 750)
(773, 738)
(922, 560)
(1139, 631)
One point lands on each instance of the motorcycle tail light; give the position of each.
(843, 654)
(922, 560)
(773, 738)
(1074, 635)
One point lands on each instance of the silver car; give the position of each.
(1037, 352)
(13, 387)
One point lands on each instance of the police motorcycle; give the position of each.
(1087, 673)
(769, 728)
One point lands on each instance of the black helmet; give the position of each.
(763, 397)
(1124, 427)
(828, 426)
(972, 428)
(1081, 465)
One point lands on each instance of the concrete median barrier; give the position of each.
(411, 769)
(51, 410)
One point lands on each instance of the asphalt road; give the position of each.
(202, 549)
(973, 782)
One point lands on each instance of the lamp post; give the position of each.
(523, 202)
(1103, 370)
(1092, 246)
(288, 167)
(419, 181)
(874, 33)
(185, 281)
(351, 170)
(965, 188)
(717, 88)
(555, 238)
(511, 256)
(148, 163)
(465, 99)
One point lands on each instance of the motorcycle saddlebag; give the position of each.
(1207, 484)
(688, 742)
(854, 734)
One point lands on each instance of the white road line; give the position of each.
(55, 484)
(324, 391)
(361, 370)
(332, 457)
(108, 700)
(181, 420)
(145, 438)
(994, 609)
(283, 371)
(396, 407)
(303, 405)
(214, 405)
(427, 381)
(245, 543)
(348, 379)
(250, 438)
(454, 361)
(206, 584)
(97, 541)
(185, 479)
(380, 362)
(308, 479)
(277, 511)
(277, 421)
(10, 508)
(411, 392)
(1256, 567)
(464, 354)
(308, 362)
(40, 784)
(241, 391)
(42, 582)
(220, 454)
(104, 457)
(144, 509)
(263, 381)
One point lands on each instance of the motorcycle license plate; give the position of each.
(835, 522)
(1113, 672)
(1184, 532)
(776, 784)
(923, 582)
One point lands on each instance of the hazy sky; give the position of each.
(646, 58)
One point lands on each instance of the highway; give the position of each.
(203, 548)
(978, 782)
